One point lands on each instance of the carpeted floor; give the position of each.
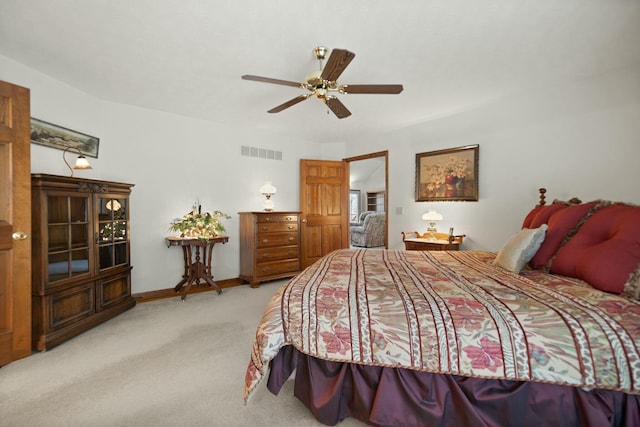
(162, 363)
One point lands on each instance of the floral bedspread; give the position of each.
(454, 313)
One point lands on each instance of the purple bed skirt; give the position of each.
(381, 396)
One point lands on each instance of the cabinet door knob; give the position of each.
(19, 235)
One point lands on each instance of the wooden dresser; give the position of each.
(269, 246)
(81, 269)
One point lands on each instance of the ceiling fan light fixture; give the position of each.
(313, 79)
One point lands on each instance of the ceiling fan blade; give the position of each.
(289, 103)
(382, 89)
(336, 64)
(337, 107)
(270, 80)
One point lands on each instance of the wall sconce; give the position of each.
(81, 161)
(268, 190)
(433, 217)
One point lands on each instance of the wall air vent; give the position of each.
(261, 153)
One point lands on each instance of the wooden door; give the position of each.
(324, 196)
(15, 223)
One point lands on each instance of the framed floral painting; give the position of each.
(445, 175)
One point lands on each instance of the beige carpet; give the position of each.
(163, 363)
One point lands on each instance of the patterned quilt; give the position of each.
(454, 313)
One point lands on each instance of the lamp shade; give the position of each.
(268, 188)
(432, 216)
(81, 161)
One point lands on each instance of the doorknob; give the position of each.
(19, 235)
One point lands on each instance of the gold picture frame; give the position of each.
(447, 175)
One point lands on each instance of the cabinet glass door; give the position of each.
(113, 232)
(68, 245)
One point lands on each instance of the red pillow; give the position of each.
(560, 224)
(527, 219)
(606, 249)
(542, 216)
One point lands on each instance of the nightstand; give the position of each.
(414, 241)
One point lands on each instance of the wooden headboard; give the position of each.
(542, 202)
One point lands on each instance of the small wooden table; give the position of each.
(414, 241)
(196, 269)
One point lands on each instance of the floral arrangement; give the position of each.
(196, 224)
(447, 179)
(437, 173)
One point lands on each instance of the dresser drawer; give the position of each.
(277, 267)
(277, 226)
(428, 246)
(267, 240)
(271, 218)
(276, 254)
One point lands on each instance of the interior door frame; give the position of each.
(384, 154)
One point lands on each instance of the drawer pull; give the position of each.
(265, 240)
(266, 270)
(292, 252)
(266, 255)
(265, 228)
(291, 227)
(291, 239)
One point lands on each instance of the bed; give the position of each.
(545, 332)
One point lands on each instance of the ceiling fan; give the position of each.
(323, 82)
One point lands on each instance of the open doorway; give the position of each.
(368, 197)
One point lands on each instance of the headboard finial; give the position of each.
(542, 196)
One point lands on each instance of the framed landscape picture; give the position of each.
(55, 136)
(447, 175)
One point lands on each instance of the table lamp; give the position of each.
(433, 217)
(267, 191)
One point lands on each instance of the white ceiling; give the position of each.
(187, 56)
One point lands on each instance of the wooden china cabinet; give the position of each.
(81, 255)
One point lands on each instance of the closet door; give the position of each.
(15, 223)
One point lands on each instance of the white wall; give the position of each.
(172, 160)
(579, 139)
